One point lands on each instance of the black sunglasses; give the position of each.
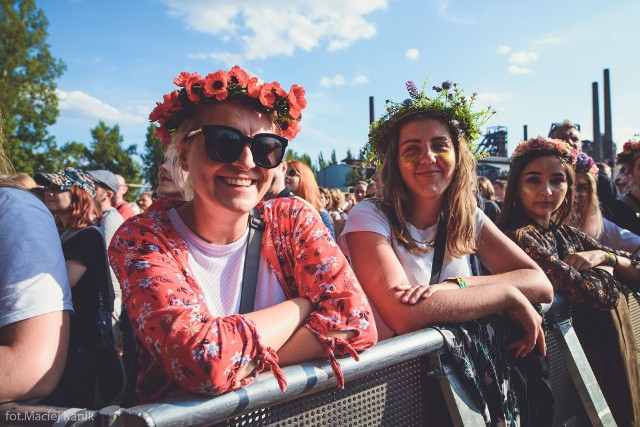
(292, 173)
(225, 144)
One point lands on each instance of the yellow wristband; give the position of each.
(457, 280)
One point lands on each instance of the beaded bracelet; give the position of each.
(457, 280)
(612, 260)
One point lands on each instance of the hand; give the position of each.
(415, 293)
(531, 322)
(586, 260)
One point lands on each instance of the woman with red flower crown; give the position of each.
(184, 267)
(625, 211)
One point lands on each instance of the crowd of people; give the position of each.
(241, 263)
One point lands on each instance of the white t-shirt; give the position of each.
(365, 216)
(218, 270)
(33, 275)
(618, 238)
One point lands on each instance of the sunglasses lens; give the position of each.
(267, 151)
(226, 144)
(222, 145)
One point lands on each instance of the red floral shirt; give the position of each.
(183, 344)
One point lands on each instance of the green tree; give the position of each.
(107, 153)
(322, 163)
(334, 158)
(27, 86)
(349, 155)
(74, 154)
(352, 178)
(153, 151)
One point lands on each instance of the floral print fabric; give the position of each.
(181, 343)
(593, 287)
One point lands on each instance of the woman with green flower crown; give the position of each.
(538, 203)
(185, 267)
(411, 249)
(625, 211)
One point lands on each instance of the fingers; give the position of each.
(542, 343)
(402, 287)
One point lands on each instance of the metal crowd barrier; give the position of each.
(402, 381)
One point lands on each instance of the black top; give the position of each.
(286, 193)
(87, 246)
(607, 191)
(623, 215)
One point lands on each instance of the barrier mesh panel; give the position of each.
(633, 298)
(402, 395)
(569, 408)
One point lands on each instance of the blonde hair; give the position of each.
(589, 218)
(337, 199)
(459, 202)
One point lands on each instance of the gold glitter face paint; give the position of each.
(409, 160)
(447, 158)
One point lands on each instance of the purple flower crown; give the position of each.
(566, 153)
(586, 164)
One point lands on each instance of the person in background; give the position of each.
(169, 186)
(145, 200)
(181, 263)
(278, 187)
(107, 186)
(371, 189)
(625, 211)
(338, 215)
(537, 206)
(499, 187)
(24, 180)
(428, 207)
(69, 196)
(587, 216)
(35, 297)
(360, 191)
(120, 203)
(568, 132)
(302, 183)
(604, 169)
(349, 202)
(486, 198)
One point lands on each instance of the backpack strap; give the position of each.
(251, 262)
(438, 253)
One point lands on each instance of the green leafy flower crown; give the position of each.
(449, 103)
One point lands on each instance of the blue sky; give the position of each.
(532, 61)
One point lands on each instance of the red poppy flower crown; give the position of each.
(223, 85)
(630, 151)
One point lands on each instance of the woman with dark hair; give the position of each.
(69, 196)
(220, 286)
(302, 183)
(411, 250)
(537, 206)
(625, 211)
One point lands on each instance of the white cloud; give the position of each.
(522, 58)
(412, 54)
(80, 105)
(516, 69)
(337, 80)
(502, 49)
(551, 41)
(280, 27)
(227, 59)
(360, 79)
(442, 6)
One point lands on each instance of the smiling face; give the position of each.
(542, 188)
(292, 180)
(426, 158)
(237, 186)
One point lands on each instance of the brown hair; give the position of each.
(459, 202)
(485, 188)
(512, 206)
(308, 188)
(84, 211)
